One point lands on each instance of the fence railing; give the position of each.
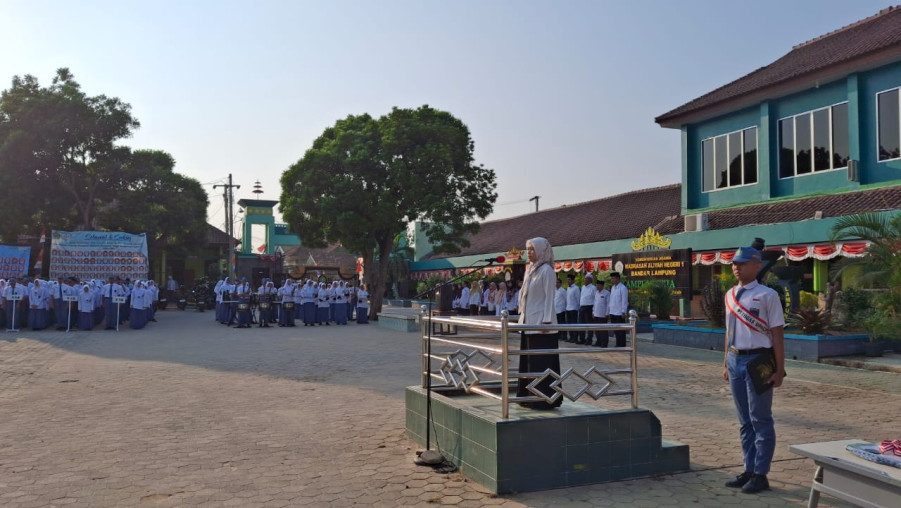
(474, 354)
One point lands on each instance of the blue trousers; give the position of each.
(755, 415)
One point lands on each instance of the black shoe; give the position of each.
(740, 480)
(757, 483)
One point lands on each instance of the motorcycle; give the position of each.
(202, 295)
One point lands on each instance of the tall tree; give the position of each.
(59, 142)
(151, 198)
(365, 179)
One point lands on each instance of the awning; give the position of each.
(822, 252)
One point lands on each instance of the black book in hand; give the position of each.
(760, 369)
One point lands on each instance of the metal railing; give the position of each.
(477, 359)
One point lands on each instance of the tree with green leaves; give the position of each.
(880, 268)
(58, 152)
(365, 179)
(152, 198)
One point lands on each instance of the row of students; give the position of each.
(307, 301)
(69, 303)
(479, 299)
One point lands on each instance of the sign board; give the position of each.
(14, 297)
(98, 255)
(673, 266)
(119, 299)
(70, 298)
(13, 261)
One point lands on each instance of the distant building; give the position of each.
(777, 154)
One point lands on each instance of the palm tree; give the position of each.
(881, 267)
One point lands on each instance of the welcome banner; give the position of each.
(13, 261)
(98, 255)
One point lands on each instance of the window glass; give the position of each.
(802, 144)
(786, 148)
(750, 155)
(821, 143)
(720, 155)
(707, 148)
(735, 154)
(889, 134)
(840, 144)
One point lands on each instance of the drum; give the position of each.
(243, 306)
(264, 305)
(289, 305)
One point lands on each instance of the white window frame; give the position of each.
(877, 122)
(726, 135)
(813, 170)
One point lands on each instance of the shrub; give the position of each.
(713, 304)
(810, 321)
(657, 297)
(809, 300)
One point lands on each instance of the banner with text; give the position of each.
(673, 266)
(13, 261)
(98, 255)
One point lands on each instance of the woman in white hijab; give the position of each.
(536, 306)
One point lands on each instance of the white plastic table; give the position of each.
(846, 476)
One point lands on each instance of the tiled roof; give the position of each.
(627, 216)
(333, 255)
(833, 205)
(878, 33)
(623, 216)
(215, 236)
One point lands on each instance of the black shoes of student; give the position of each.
(757, 483)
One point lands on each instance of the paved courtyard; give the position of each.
(188, 412)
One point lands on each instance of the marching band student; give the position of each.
(139, 311)
(332, 298)
(85, 307)
(308, 303)
(363, 305)
(264, 297)
(322, 304)
(340, 305)
(350, 294)
(287, 291)
(243, 293)
(38, 305)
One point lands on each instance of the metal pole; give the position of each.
(505, 367)
(633, 322)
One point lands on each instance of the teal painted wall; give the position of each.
(858, 90)
(870, 84)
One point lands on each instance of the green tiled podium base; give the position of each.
(575, 444)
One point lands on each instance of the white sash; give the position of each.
(744, 315)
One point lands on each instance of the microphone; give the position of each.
(499, 259)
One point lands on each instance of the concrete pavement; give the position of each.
(188, 412)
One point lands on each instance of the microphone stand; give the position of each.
(430, 457)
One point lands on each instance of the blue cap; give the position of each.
(745, 254)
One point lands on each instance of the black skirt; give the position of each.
(538, 363)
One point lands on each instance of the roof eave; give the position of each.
(782, 89)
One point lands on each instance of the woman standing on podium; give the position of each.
(536, 306)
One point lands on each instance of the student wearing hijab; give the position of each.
(536, 306)
(340, 305)
(308, 303)
(139, 309)
(38, 303)
(363, 305)
(322, 305)
(85, 307)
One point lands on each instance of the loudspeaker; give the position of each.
(445, 298)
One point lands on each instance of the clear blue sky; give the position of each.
(560, 97)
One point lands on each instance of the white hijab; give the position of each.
(544, 255)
